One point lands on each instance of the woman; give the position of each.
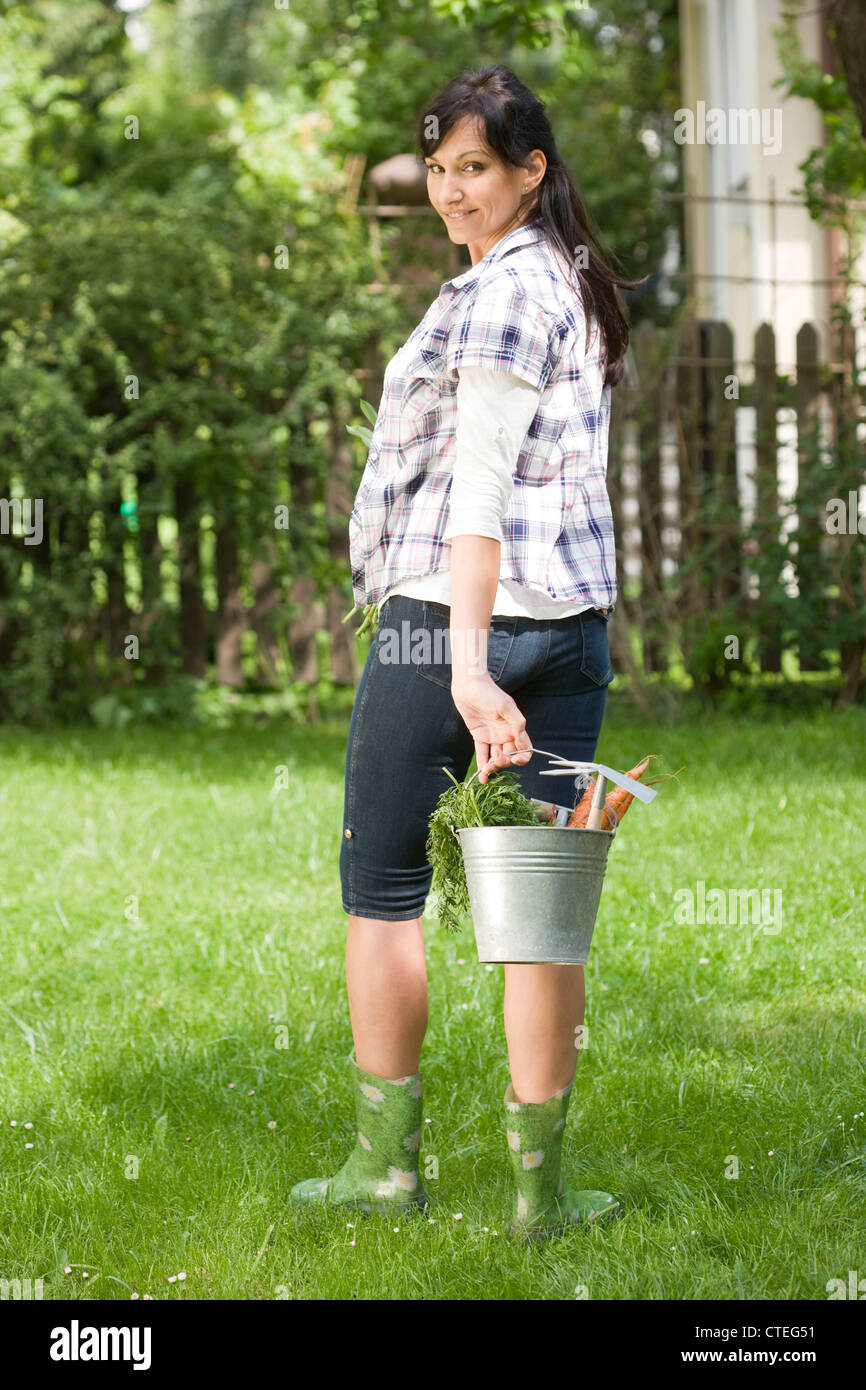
(482, 525)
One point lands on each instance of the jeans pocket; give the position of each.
(595, 661)
(434, 662)
(434, 657)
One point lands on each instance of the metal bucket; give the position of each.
(534, 890)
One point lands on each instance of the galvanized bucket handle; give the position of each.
(557, 757)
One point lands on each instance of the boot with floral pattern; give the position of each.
(546, 1205)
(381, 1172)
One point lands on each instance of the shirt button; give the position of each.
(348, 834)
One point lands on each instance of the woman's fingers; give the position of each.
(482, 757)
(487, 718)
(510, 752)
(519, 736)
(518, 758)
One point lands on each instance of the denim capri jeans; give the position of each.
(405, 729)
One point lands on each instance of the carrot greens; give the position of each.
(498, 802)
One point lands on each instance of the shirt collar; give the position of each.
(520, 236)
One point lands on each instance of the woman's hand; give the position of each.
(493, 720)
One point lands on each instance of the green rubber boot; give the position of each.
(381, 1172)
(546, 1205)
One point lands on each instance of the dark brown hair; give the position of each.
(514, 123)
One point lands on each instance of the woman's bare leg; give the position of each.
(386, 980)
(544, 1007)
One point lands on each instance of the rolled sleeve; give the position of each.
(494, 412)
(505, 331)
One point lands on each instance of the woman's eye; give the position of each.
(437, 168)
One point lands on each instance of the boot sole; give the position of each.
(546, 1232)
(362, 1205)
(385, 1208)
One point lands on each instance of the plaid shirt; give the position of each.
(514, 312)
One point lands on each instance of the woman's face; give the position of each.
(478, 197)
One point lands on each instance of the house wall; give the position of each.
(730, 60)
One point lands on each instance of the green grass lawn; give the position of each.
(171, 955)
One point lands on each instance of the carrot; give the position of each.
(580, 813)
(619, 798)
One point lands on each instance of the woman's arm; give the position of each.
(474, 580)
(490, 714)
(495, 410)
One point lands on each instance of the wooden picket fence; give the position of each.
(677, 427)
(675, 440)
(677, 435)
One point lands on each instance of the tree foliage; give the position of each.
(186, 296)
